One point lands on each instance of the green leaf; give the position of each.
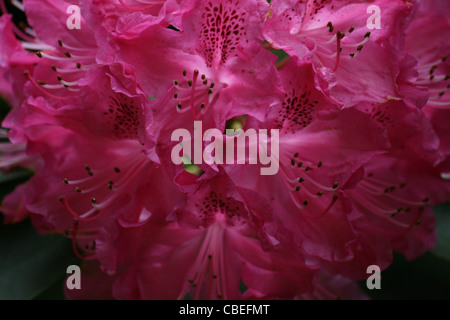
(31, 264)
(442, 248)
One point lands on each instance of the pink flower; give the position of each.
(396, 187)
(356, 117)
(345, 52)
(213, 234)
(407, 128)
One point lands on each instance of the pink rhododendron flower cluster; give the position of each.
(363, 116)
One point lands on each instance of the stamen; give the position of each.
(64, 45)
(28, 75)
(85, 217)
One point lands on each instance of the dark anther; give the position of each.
(433, 68)
(330, 26)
